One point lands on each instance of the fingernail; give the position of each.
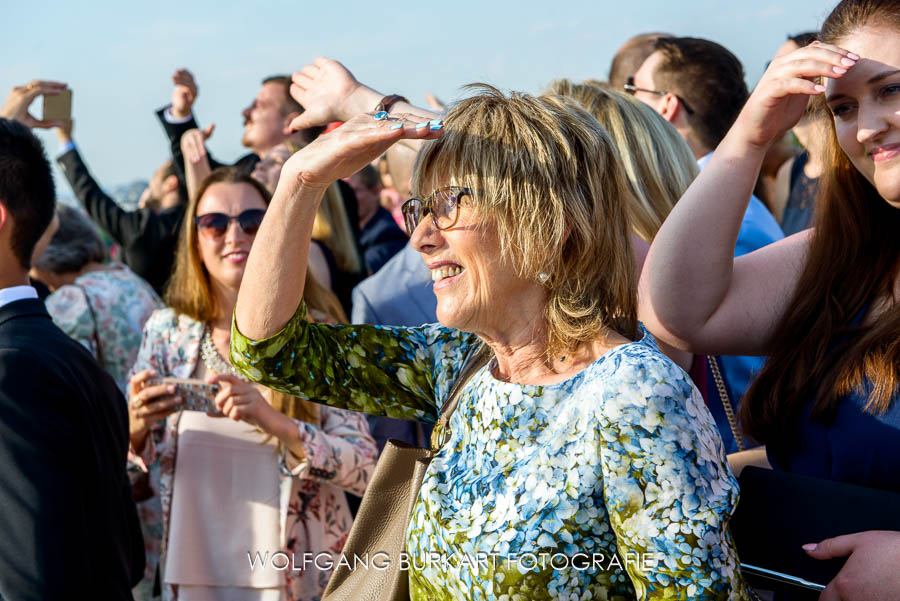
(810, 547)
(436, 127)
(839, 70)
(435, 121)
(170, 388)
(397, 126)
(421, 125)
(847, 61)
(819, 88)
(854, 56)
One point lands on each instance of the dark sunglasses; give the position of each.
(216, 224)
(442, 204)
(632, 89)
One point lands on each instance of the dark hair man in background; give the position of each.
(630, 56)
(698, 86)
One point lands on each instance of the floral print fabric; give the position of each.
(621, 464)
(121, 302)
(340, 455)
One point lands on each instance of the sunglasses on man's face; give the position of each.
(215, 225)
(442, 204)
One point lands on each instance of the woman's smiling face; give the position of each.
(865, 103)
(477, 289)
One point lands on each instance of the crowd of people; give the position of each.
(658, 274)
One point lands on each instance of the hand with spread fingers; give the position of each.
(21, 97)
(328, 92)
(782, 95)
(352, 146)
(147, 404)
(184, 95)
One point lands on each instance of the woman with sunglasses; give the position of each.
(258, 482)
(578, 439)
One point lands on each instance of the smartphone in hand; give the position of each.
(58, 107)
(196, 394)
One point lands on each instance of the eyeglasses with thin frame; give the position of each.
(214, 225)
(632, 89)
(442, 205)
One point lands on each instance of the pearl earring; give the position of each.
(543, 277)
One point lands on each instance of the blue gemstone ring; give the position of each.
(381, 115)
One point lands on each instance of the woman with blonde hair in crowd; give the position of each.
(824, 304)
(577, 435)
(657, 161)
(255, 480)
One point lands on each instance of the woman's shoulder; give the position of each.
(167, 319)
(641, 360)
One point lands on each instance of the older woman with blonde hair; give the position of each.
(578, 437)
(229, 491)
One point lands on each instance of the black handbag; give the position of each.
(780, 511)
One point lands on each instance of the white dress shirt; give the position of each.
(14, 293)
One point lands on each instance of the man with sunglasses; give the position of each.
(698, 86)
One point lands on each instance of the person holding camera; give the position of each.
(257, 481)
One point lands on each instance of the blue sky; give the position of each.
(119, 56)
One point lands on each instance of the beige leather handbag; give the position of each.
(383, 516)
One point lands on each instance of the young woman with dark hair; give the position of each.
(823, 304)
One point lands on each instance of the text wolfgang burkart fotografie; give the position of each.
(524, 562)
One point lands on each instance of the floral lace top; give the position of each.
(611, 485)
(340, 455)
(121, 302)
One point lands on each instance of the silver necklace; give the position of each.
(213, 360)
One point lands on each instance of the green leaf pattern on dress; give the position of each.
(621, 460)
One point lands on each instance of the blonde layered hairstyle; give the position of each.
(658, 162)
(189, 291)
(549, 177)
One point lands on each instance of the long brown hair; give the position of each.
(189, 291)
(821, 349)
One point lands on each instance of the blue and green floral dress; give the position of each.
(611, 485)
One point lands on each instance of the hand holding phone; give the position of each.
(58, 106)
(20, 98)
(196, 394)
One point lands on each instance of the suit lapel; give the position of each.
(28, 307)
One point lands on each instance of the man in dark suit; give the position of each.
(148, 238)
(68, 525)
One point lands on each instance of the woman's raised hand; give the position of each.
(783, 93)
(326, 90)
(352, 146)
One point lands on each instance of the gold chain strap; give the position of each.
(726, 402)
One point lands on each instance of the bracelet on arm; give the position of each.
(384, 106)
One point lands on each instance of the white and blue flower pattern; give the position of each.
(621, 461)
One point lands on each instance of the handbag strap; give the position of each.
(726, 402)
(96, 335)
(474, 361)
